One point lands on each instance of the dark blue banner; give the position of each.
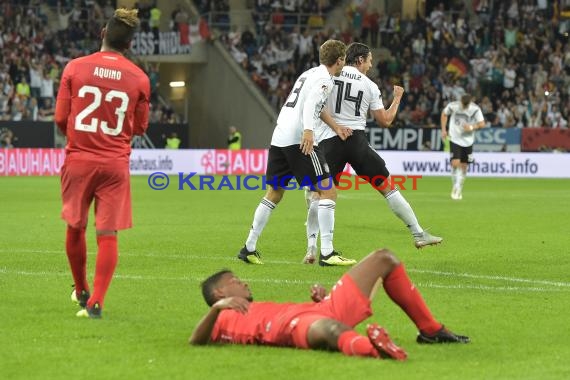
(404, 138)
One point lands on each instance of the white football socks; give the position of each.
(326, 225)
(312, 223)
(457, 178)
(260, 219)
(402, 209)
(461, 180)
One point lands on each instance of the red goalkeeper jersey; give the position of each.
(103, 100)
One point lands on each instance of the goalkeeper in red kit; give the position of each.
(103, 100)
(326, 323)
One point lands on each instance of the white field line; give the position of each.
(493, 277)
(516, 289)
(556, 285)
(231, 258)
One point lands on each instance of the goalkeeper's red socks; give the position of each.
(107, 256)
(76, 250)
(403, 292)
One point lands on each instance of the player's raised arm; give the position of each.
(385, 117)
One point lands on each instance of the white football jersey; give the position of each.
(303, 106)
(459, 118)
(352, 95)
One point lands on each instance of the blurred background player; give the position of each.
(353, 95)
(293, 154)
(466, 118)
(326, 323)
(103, 100)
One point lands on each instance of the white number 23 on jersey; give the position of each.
(97, 98)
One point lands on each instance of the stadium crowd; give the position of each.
(35, 50)
(513, 56)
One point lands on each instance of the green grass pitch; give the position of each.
(501, 276)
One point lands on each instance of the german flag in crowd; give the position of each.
(457, 66)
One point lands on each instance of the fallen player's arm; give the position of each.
(202, 333)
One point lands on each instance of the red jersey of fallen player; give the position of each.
(103, 100)
(286, 324)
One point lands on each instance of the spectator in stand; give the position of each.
(154, 77)
(108, 10)
(174, 15)
(63, 16)
(32, 110)
(46, 89)
(374, 22)
(47, 110)
(154, 21)
(35, 79)
(77, 14)
(156, 115)
(7, 138)
(554, 118)
(4, 108)
(17, 109)
(23, 89)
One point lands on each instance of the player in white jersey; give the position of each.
(293, 154)
(354, 94)
(466, 118)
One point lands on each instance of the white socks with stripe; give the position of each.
(312, 223)
(326, 209)
(260, 219)
(402, 209)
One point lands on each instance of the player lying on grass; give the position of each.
(326, 323)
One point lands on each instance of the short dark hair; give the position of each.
(354, 51)
(465, 100)
(121, 28)
(210, 284)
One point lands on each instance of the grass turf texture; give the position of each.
(501, 277)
